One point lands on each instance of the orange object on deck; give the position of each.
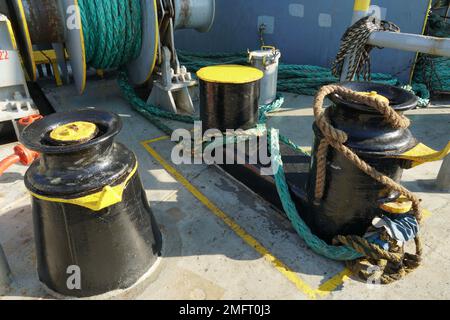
(29, 120)
(21, 155)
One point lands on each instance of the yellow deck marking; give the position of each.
(155, 140)
(324, 289)
(332, 284)
(252, 242)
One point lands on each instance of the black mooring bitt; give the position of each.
(110, 243)
(351, 200)
(296, 168)
(229, 105)
(351, 197)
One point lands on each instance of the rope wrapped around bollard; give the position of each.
(335, 138)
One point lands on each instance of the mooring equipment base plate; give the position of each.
(296, 168)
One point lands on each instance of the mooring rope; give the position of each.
(358, 253)
(294, 78)
(337, 138)
(112, 31)
(354, 47)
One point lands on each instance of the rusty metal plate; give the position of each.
(22, 34)
(44, 20)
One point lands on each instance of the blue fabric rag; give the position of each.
(402, 227)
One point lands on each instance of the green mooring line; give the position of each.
(112, 31)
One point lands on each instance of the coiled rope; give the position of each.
(112, 31)
(354, 47)
(293, 78)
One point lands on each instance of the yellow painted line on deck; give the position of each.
(251, 241)
(335, 282)
(147, 142)
(324, 289)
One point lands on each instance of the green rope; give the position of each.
(264, 110)
(113, 37)
(339, 253)
(268, 108)
(431, 71)
(298, 79)
(112, 31)
(319, 246)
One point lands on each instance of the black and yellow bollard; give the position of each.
(229, 97)
(352, 198)
(94, 230)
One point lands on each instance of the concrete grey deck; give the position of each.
(232, 244)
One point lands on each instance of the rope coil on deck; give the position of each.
(112, 31)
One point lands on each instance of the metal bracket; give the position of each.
(15, 100)
(171, 89)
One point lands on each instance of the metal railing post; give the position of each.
(411, 42)
(443, 179)
(394, 40)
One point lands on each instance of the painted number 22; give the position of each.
(3, 55)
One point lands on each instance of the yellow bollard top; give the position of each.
(74, 132)
(232, 74)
